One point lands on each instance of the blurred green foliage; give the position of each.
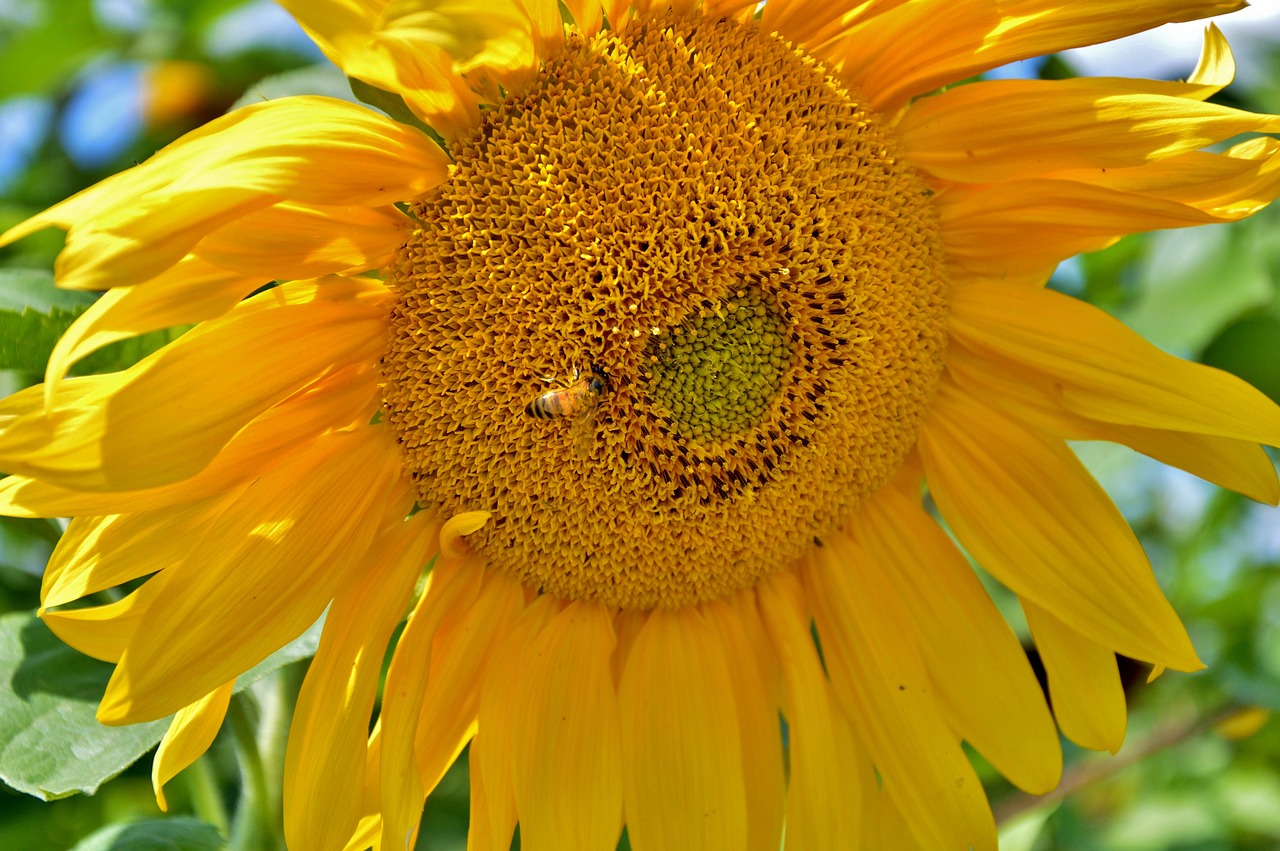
(1207, 294)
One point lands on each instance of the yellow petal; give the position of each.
(368, 836)
(191, 291)
(1238, 465)
(672, 699)
(420, 50)
(753, 669)
(883, 823)
(328, 739)
(879, 678)
(822, 792)
(744, 11)
(316, 512)
(486, 36)
(1006, 129)
(189, 735)
(1104, 371)
(455, 530)
(368, 832)
(548, 29)
(339, 400)
(1217, 66)
(565, 739)
(587, 15)
(155, 423)
(973, 657)
(919, 46)
(1242, 723)
(460, 654)
(290, 241)
(316, 150)
(616, 11)
(493, 800)
(480, 823)
(1227, 187)
(626, 626)
(1084, 682)
(1026, 227)
(809, 22)
(453, 584)
(97, 553)
(29, 402)
(654, 8)
(1031, 514)
(104, 632)
(891, 827)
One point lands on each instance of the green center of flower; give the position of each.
(717, 374)
(679, 309)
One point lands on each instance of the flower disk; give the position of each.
(708, 220)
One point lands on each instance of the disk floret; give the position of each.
(699, 212)
(718, 374)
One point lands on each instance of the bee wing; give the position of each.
(583, 428)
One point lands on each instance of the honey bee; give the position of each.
(570, 402)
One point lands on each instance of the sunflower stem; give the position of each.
(206, 798)
(277, 697)
(254, 828)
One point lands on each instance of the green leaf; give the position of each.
(51, 745)
(33, 315)
(319, 79)
(1108, 273)
(392, 104)
(39, 249)
(27, 338)
(25, 544)
(34, 288)
(1195, 282)
(123, 354)
(173, 834)
(1250, 348)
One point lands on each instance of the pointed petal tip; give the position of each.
(118, 708)
(1044, 784)
(113, 712)
(1270, 493)
(24, 229)
(1185, 660)
(1176, 655)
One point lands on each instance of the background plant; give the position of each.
(88, 88)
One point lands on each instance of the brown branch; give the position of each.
(1093, 769)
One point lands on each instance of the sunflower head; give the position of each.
(711, 220)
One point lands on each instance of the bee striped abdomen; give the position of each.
(547, 406)
(567, 402)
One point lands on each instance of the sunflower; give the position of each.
(761, 277)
